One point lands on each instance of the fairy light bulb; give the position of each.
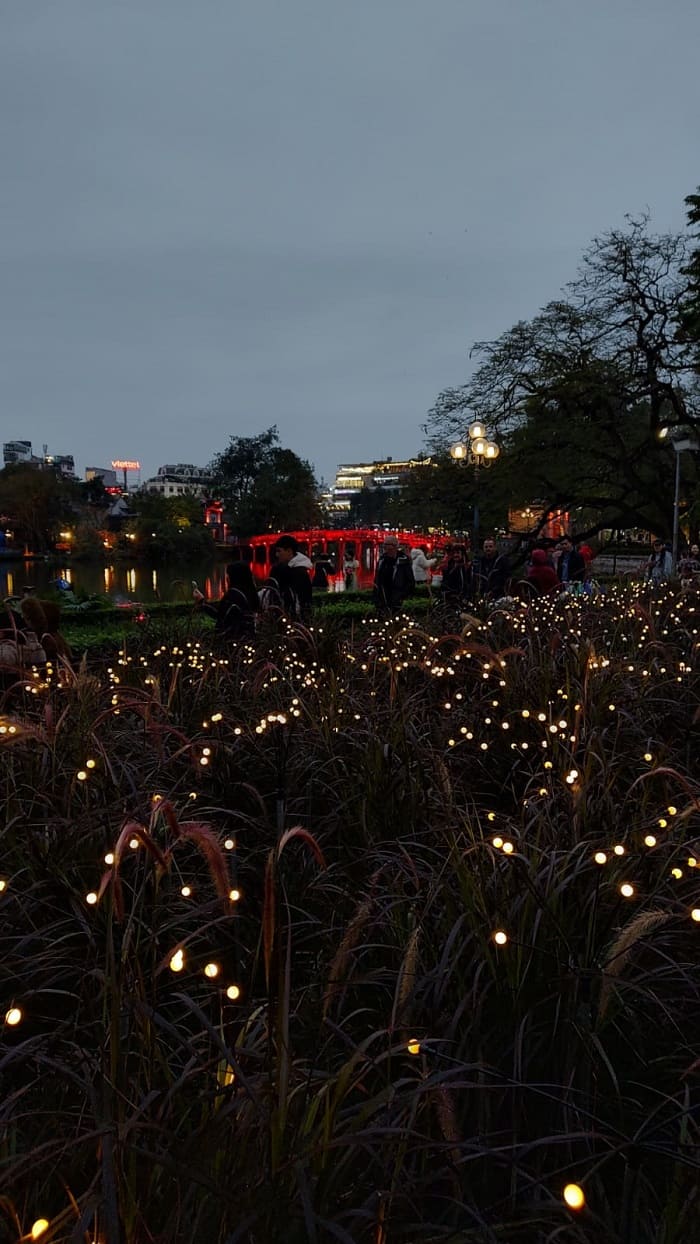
(234, 895)
(91, 898)
(619, 849)
(13, 1017)
(498, 843)
(211, 970)
(413, 1046)
(186, 891)
(500, 938)
(133, 843)
(3, 885)
(627, 890)
(574, 1196)
(600, 857)
(177, 962)
(109, 857)
(650, 841)
(695, 915)
(81, 775)
(39, 1227)
(229, 844)
(233, 992)
(508, 848)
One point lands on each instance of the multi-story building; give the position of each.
(351, 480)
(14, 452)
(21, 453)
(179, 479)
(106, 474)
(63, 464)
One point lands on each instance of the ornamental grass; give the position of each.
(380, 935)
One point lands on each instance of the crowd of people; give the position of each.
(456, 577)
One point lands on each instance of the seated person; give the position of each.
(235, 612)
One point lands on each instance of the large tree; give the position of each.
(578, 395)
(444, 496)
(690, 308)
(36, 503)
(166, 528)
(264, 486)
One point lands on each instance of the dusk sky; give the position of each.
(219, 215)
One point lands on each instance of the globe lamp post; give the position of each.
(476, 451)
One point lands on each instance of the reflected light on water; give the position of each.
(146, 583)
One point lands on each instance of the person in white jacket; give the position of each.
(292, 572)
(421, 565)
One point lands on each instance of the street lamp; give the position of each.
(477, 451)
(680, 444)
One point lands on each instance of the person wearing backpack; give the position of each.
(291, 573)
(393, 579)
(235, 613)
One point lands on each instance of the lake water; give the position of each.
(119, 580)
(122, 581)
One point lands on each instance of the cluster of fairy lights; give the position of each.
(550, 737)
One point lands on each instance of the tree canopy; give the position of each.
(37, 502)
(169, 527)
(690, 306)
(577, 396)
(264, 486)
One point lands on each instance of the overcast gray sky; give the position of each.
(219, 215)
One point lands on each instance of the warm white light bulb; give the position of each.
(574, 1196)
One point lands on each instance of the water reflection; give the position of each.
(118, 580)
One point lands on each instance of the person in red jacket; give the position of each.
(539, 574)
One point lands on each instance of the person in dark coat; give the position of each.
(393, 579)
(322, 569)
(571, 567)
(491, 571)
(235, 613)
(456, 583)
(540, 575)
